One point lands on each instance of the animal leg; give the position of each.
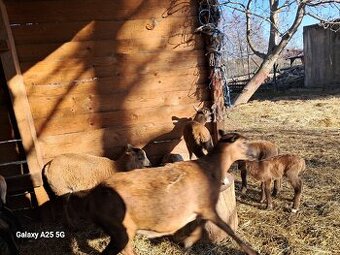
(297, 185)
(194, 236)
(267, 187)
(216, 219)
(277, 187)
(263, 193)
(190, 154)
(244, 180)
(199, 152)
(209, 145)
(119, 238)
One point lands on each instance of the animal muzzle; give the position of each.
(251, 154)
(147, 162)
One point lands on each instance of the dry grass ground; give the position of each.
(308, 126)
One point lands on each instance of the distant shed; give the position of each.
(321, 57)
(89, 76)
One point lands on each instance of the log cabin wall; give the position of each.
(102, 73)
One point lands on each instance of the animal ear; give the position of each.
(234, 138)
(128, 149)
(221, 132)
(196, 109)
(230, 138)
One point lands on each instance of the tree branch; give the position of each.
(273, 4)
(300, 12)
(311, 3)
(248, 29)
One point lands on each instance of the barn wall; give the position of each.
(322, 57)
(100, 74)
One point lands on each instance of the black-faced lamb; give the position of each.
(72, 172)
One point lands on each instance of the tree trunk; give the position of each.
(273, 53)
(254, 83)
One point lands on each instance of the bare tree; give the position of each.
(281, 29)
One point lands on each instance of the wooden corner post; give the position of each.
(20, 104)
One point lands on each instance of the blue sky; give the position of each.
(297, 40)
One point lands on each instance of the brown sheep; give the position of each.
(262, 149)
(72, 172)
(159, 201)
(275, 168)
(196, 136)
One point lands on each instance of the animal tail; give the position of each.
(46, 185)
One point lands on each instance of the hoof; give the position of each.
(244, 190)
(269, 207)
(294, 210)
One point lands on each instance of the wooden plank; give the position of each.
(100, 141)
(19, 97)
(20, 201)
(96, 30)
(156, 152)
(189, 78)
(11, 170)
(9, 152)
(6, 131)
(78, 104)
(80, 10)
(108, 142)
(57, 125)
(104, 48)
(24, 182)
(125, 68)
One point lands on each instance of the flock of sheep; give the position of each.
(158, 201)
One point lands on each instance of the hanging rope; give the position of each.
(209, 17)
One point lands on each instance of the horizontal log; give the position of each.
(80, 10)
(79, 104)
(189, 78)
(102, 141)
(105, 48)
(124, 69)
(58, 124)
(96, 30)
(154, 151)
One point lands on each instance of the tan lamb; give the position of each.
(262, 149)
(275, 168)
(73, 172)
